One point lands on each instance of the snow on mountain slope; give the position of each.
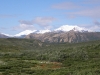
(43, 31)
(7, 35)
(26, 32)
(64, 28)
(70, 27)
(2, 35)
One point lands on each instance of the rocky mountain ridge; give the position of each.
(64, 28)
(61, 37)
(65, 33)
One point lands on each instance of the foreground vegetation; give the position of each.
(32, 57)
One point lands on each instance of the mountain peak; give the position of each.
(26, 32)
(64, 28)
(67, 28)
(43, 31)
(3, 35)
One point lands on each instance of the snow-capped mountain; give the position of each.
(64, 28)
(43, 31)
(67, 28)
(2, 35)
(26, 32)
(65, 33)
(7, 35)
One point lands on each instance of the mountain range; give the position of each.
(64, 28)
(61, 37)
(65, 33)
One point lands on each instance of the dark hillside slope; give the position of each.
(23, 43)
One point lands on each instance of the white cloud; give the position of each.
(43, 21)
(95, 28)
(26, 22)
(65, 5)
(97, 23)
(23, 27)
(93, 13)
(86, 8)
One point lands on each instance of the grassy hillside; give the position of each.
(32, 57)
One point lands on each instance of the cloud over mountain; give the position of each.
(27, 29)
(64, 28)
(97, 23)
(23, 27)
(43, 22)
(26, 22)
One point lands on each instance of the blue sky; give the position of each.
(20, 15)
